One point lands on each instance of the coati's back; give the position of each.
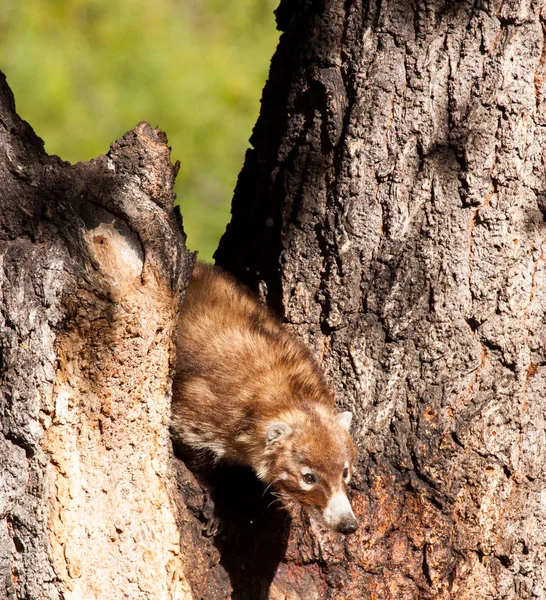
(246, 391)
(235, 363)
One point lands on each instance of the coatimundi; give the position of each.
(249, 393)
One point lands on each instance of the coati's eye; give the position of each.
(309, 478)
(345, 473)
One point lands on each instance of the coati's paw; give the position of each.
(213, 523)
(213, 527)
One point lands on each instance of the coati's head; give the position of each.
(309, 457)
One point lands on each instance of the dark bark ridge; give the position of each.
(391, 209)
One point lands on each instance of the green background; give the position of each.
(85, 71)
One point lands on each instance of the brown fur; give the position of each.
(238, 371)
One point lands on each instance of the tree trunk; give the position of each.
(92, 268)
(391, 210)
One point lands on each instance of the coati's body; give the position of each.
(246, 391)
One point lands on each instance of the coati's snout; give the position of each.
(347, 525)
(311, 461)
(339, 515)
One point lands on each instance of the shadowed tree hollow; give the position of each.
(391, 210)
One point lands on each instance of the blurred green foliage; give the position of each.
(85, 71)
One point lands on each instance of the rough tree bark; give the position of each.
(391, 210)
(92, 267)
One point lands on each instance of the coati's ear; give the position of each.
(277, 432)
(344, 419)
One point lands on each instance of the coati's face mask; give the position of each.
(310, 461)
